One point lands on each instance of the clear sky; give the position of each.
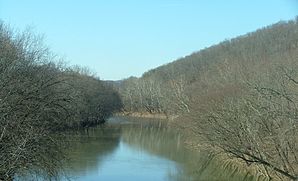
(120, 38)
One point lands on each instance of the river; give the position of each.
(123, 151)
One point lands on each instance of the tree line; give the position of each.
(39, 98)
(239, 96)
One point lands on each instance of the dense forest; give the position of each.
(40, 96)
(239, 96)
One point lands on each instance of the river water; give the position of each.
(141, 153)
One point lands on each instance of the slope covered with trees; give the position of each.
(239, 96)
(39, 98)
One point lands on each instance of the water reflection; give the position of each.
(90, 149)
(134, 152)
(98, 157)
(194, 166)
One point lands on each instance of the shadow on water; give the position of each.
(86, 152)
(194, 165)
(90, 149)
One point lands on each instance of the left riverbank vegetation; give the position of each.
(40, 98)
(239, 96)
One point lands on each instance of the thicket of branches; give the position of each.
(39, 98)
(239, 96)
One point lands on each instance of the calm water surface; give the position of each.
(135, 153)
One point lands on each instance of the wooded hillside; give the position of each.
(240, 96)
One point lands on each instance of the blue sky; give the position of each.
(122, 38)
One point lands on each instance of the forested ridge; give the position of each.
(239, 96)
(40, 98)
